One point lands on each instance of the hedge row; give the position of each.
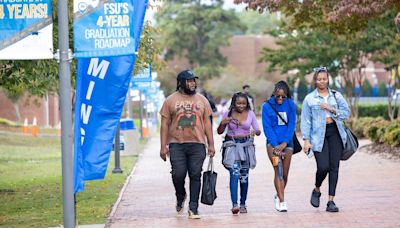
(378, 130)
(373, 110)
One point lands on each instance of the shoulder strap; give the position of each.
(277, 113)
(334, 94)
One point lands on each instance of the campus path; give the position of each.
(368, 195)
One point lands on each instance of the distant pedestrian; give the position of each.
(322, 128)
(246, 90)
(279, 124)
(238, 147)
(185, 129)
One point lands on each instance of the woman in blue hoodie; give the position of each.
(279, 124)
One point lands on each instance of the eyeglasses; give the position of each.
(320, 69)
(280, 96)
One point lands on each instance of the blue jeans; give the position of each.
(239, 173)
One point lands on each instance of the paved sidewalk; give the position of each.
(367, 195)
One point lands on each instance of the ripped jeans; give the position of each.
(239, 173)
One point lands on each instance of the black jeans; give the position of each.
(187, 158)
(328, 159)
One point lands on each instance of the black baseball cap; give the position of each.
(186, 75)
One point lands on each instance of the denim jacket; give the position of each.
(313, 122)
(235, 152)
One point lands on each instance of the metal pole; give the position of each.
(141, 114)
(129, 104)
(117, 168)
(66, 115)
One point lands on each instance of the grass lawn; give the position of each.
(31, 185)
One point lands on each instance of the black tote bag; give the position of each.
(351, 145)
(208, 192)
(351, 140)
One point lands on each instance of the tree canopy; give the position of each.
(340, 16)
(196, 31)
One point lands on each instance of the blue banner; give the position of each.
(101, 87)
(104, 28)
(144, 75)
(26, 29)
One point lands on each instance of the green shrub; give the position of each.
(359, 125)
(391, 134)
(373, 110)
(374, 130)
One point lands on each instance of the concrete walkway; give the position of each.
(367, 195)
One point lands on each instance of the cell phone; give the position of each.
(310, 153)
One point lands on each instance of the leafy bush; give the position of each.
(391, 134)
(374, 110)
(359, 125)
(374, 131)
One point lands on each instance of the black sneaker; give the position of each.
(315, 198)
(331, 207)
(180, 205)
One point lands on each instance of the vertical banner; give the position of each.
(102, 83)
(101, 89)
(104, 28)
(26, 29)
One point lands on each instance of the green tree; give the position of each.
(339, 16)
(366, 89)
(382, 90)
(256, 23)
(196, 30)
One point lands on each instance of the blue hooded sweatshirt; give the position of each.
(274, 128)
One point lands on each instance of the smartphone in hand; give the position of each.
(310, 153)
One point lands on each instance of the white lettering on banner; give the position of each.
(95, 69)
(90, 90)
(82, 135)
(24, 11)
(107, 33)
(85, 113)
(116, 8)
(111, 43)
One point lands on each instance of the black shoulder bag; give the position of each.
(351, 142)
(296, 144)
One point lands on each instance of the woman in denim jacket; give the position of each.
(239, 121)
(322, 129)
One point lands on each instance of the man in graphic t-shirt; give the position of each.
(185, 129)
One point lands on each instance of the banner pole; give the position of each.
(66, 115)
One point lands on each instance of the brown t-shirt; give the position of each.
(185, 115)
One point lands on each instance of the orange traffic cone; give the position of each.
(145, 130)
(25, 128)
(35, 130)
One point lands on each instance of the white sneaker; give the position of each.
(283, 207)
(277, 202)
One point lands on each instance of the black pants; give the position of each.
(328, 159)
(187, 158)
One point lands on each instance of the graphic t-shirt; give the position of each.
(186, 115)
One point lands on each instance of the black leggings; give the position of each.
(328, 159)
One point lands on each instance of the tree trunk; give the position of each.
(17, 112)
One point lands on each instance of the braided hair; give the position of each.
(282, 85)
(234, 99)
